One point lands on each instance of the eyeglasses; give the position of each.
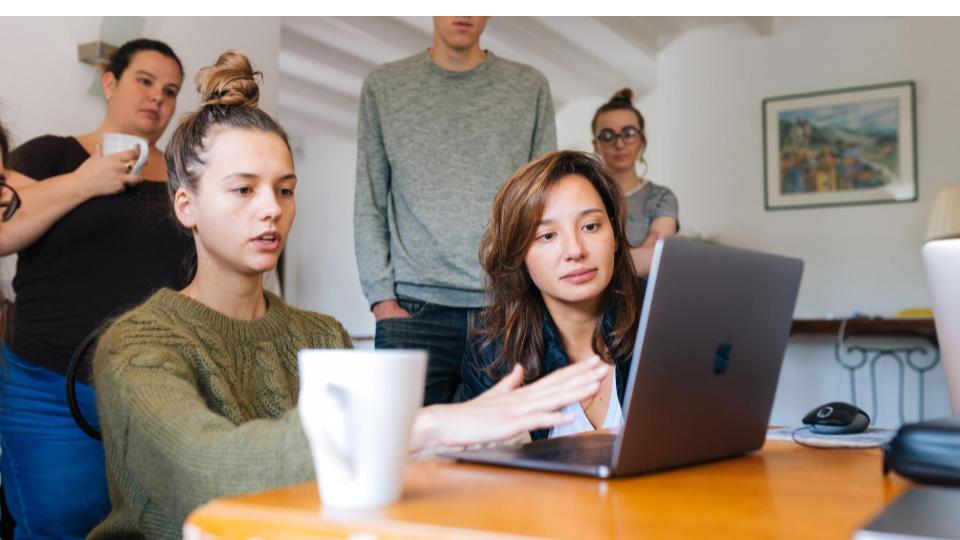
(10, 206)
(608, 137)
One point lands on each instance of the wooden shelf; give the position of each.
(866, 327)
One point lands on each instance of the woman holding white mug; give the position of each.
(94, 238)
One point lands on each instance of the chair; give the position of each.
(73, 370)
(904, 357)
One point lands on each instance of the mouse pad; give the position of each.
(871, 438)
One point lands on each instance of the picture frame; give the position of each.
(840, 147)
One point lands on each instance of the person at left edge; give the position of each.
(93, 239)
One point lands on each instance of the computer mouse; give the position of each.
(837, 417)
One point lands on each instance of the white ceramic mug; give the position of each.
(357, 409)
(119, 142)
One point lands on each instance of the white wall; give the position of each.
(706, 144)
(321, 269)
(711, 85)
(45, 88)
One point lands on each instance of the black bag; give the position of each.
(926, 452)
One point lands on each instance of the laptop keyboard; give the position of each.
(588, 450)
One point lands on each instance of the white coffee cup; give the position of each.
(119, 142)
(357, 409)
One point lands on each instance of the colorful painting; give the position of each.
(841, 147)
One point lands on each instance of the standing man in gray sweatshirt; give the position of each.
(438, 134)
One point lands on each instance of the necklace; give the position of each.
(600, 395)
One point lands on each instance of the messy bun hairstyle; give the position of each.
(622, 100)
(229, 95)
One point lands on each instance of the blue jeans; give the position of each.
(440, 330)
(53, 473)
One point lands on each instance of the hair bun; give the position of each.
(623, 96)
(230, 82)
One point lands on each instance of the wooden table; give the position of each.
(783, 491)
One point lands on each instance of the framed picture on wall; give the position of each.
(840, 147)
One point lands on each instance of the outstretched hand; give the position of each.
(509, 408)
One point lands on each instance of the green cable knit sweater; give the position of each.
(195, 405)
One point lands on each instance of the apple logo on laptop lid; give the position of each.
(721, 357)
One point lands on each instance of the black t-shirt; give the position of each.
(99, 260)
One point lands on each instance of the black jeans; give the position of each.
(440, 330)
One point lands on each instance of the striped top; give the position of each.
(646, 203)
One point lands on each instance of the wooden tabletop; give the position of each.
(782, 491)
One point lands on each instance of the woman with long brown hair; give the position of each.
(560, 284)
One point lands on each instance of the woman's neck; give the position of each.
(576, 325)
(628, 179)
(238, 297)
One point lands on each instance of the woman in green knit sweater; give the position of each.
(197, 389)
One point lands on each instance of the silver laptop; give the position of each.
(711, 340)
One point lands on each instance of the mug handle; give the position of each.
(336, 436)
(142, 158)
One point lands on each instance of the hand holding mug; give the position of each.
(108, 174)
(114, 143)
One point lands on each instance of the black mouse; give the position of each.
(836, 418)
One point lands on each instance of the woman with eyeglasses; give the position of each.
(93, 238)
(652, 213)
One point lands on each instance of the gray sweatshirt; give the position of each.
(433, 148)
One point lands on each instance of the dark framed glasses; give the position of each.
(608, 137)
(9, 199)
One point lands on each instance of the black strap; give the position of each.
(72, 371)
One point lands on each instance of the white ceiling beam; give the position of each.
(308, 103)
(396, 38)
(761, 26)
(564, 83)
(560, 56)
(319, 92)
(323, 60)
(374, 39)
(635, 32)
(300, 124)
(297, 42)
(633, 66)
(311, 69)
